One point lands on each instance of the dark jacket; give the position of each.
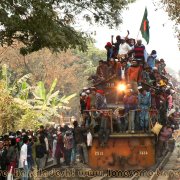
(79, 134)
(12, 154)
(29, 155)
(3, 159)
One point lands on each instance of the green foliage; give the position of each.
(90, 59)
(16, 87)
(49, 103)
(50, 23)
(29, 120)
(173, 9)
(17, 110)
(10, 112)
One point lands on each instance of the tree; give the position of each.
(71, 68)
(23, 105)
(173, 9)
(50, 23)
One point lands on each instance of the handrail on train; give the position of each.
(111, 113)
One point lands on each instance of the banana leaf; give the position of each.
(52, 88)
(66, 99)
(40, 92)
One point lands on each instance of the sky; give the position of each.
(162, 34)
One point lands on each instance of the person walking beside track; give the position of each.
(79, 139)
(23, 163)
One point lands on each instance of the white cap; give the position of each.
(155, 68)
(172, 91)
(139, 87)
(88, 91)
(83, 94)
(11, 137)
(54, 135)
(85, 88)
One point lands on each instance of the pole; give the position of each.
(137, 34)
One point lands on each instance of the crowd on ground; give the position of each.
(27, 150)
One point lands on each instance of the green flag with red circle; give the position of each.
(145, 26)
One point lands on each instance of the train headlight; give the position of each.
(121, 87)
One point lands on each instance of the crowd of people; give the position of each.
(27, 150)
(148, 97)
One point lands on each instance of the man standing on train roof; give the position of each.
(151, 59)
(144, 103)
(116, 44)
(124, 47)
(109, 49)
(139, 51)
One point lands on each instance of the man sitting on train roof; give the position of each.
(112, 65)
(102, 70)
(146, 75)
(161, 67)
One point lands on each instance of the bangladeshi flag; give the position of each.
(145, 26)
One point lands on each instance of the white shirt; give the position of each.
(54, 148)
(23, 156)
(47, 144)
(124, 48)
(123, 73)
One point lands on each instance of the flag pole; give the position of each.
(138, 31)
(137, 35)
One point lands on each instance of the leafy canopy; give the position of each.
(173, 9)
(50, 23)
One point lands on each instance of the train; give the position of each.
(123, 151)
